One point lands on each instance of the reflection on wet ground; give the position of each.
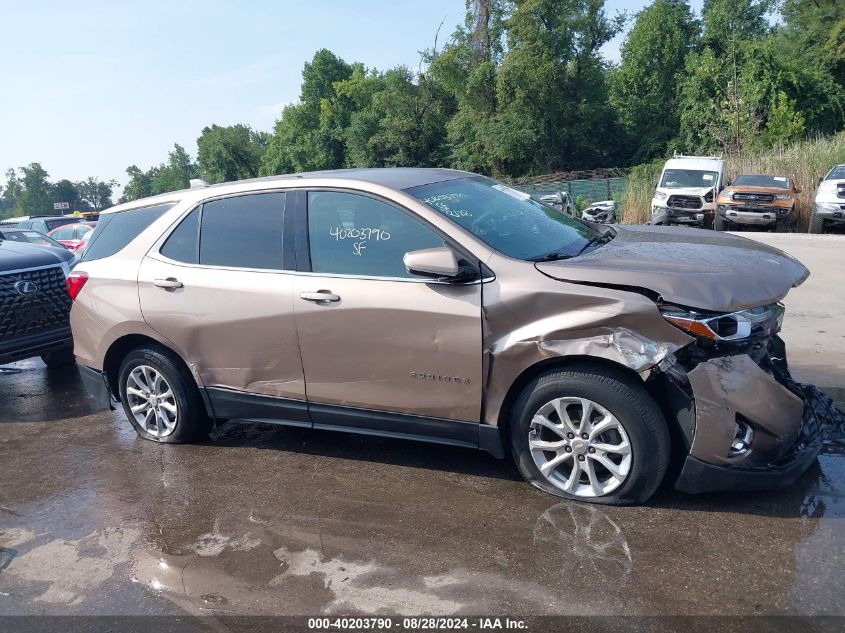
(269, 520)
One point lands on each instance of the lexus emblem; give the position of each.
(26, 288)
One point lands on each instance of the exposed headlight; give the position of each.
(660, 195)
(782, 196)
(732, 326)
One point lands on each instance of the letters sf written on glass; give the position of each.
(360, 237)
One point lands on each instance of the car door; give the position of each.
(220, 286)
(383, 351)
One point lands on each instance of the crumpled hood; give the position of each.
(20, 255)
(690, 267)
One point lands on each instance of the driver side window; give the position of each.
(352, 234)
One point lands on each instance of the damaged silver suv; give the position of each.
(439, 305)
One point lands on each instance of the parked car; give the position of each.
(70, 235)
(11, 223)
(603, 212)
(438, 305)
(46, 223)
(829, 205)
(687, 190)
(34, 301)
(561, 201)
(759, 201)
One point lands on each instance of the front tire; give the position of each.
(720, 223)
(816, 223)
(590, 434)
(161, 399)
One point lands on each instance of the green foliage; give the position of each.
(66, 191)
(175, 174)
(96, 194)
(140, 184)
(35, 192)
(643, 89)
(230, 153)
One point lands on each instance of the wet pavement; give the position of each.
(272, 520)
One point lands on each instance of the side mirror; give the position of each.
(437, 263)
(797, 189)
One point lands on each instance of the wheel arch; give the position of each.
(541, 367)
(122, 346)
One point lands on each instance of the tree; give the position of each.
(65, 191)
(727, 21)
(175, 174)
(140, 183)
(9, 197)
(230, 153)
(551, 89)
(306, 137)
(35, 194)
(643, 89)
(467, 69)
(96, 193)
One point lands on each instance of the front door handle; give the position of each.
(321, 296)
(171, 283)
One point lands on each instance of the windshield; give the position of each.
(837, 173)
(779, 182)
(31, 237)
(505, 219)
(678, 178)
(54, 224)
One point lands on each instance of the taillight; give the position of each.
(75, 281)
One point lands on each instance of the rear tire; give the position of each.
(614, 402)
(60, 358)
(816, 223)
(167, 405)
(720, 223)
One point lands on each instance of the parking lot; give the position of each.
(272, 520)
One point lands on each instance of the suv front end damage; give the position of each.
(747, 423)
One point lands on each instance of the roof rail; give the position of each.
(677, 155)
(198, 183)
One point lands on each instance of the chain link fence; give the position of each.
(584, 187)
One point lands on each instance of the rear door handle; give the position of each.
(320, 296)
(171, 283)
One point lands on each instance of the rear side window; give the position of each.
(243, 232)
(183, 243)
(115, 230)
(64, 234)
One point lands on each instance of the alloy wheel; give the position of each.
(580, 447)
(151, 401)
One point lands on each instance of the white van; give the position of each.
(687, 191)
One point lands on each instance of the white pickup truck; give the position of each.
(829, 205)
(687, 191)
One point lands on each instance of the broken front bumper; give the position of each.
(751, 426)
(692, 217)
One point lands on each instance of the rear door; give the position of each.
(219, 286)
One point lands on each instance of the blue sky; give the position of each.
(89, 88)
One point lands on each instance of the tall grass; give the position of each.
(805, 162)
